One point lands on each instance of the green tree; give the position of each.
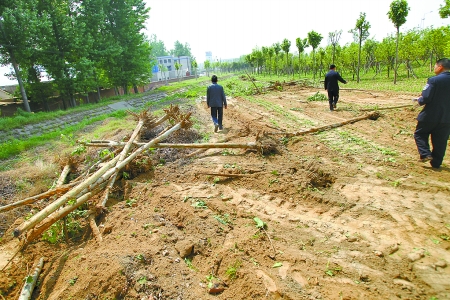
(18, 26)
(130, 65)
(286, 45)
(158, 47)
(276, 49)
(301, 45)
(195, 66)
(181, 50)
(95, 46)
(385, 53)
(60, 39)
(314, 40)
(333, 39)
(270, 53)
(207, 65)
(444, 11)
(360, 33)
(397, 14)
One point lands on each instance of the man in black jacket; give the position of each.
(434, 119)
(332, 86)
(215, 98)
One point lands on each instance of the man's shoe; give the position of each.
(216, 127)
(334, 105)
(427, 158)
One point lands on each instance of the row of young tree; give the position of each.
(413, 48)
(81, 45)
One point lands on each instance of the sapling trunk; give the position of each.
(122, 156)
(56, 191)
(250, 145)
(63, 199)
(30, 281)
(372, 116)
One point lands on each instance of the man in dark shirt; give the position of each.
(215, 98)
(332, 86)
(434, 119)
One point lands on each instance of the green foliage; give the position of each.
(277, 265)
(200, 204)
(189, 264)
(317, 97)
(223, 219)
(398, 12)
(259, 223)
(444, 11)
(233, 269)
(56, 233)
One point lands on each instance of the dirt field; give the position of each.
(350, 214)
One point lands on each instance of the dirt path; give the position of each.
(350, 213)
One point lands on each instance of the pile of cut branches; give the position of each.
(98, 178)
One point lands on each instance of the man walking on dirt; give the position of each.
(434, 119)
(332, 86)
(215, 98)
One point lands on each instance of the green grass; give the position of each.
(345, 142)
(24, 118)
(279, 110)
(14, 147)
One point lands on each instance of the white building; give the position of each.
(209, 56)
(165, 68)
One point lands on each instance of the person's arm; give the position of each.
(341, 79)
(427, 93)
(208, 96)
(224, 99)
(325, 83)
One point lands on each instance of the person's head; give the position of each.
(332, 67)
(442, 65)
(214, 78)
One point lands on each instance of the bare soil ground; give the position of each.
(350, 214)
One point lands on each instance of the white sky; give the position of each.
(231, 28)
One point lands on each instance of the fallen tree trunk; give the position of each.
(153, 142)
(372, 116)
(30, 281)
(122, 156)
(94, 227)
(389, 107)
(103, 159)
(91, 184)
(222, 174)
(63, 199)
(56, 216)
(63, 176)
(56, 191)
(250, 145)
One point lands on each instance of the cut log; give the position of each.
(223, 174)
(63, 176)
(138, 151)
(89, 187)
(250, 145)
(94, 227)
(122, 156)
(56, 191)
(58, 215)
(103, 159)
(389, 107)
(372, 116)
(63, 199)
(30, 281)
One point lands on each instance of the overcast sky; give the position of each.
(231, 28)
